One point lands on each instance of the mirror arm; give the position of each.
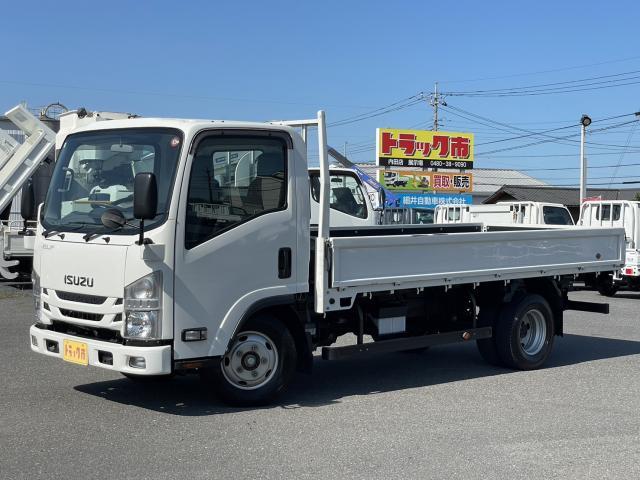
(141, 233)
(141, 239)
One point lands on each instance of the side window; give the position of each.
(345, 194)
(233, 179)
(606, 212)
(616, 212)
(556, 216)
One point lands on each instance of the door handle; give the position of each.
(284, 262)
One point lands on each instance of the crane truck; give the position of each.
(151, 261)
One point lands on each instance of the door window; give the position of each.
(233, 180)
(345, 194)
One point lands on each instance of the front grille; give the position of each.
(86, 332)
(81, 298)
(94, 317)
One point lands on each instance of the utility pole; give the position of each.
(435, 101)
(585, 121)
(344, 150)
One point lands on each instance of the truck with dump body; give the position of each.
(151, 259)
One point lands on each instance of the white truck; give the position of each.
(18, 162)
(506, 213)
(144, 265)
(622, 214)
(350, 205)
(394, 179)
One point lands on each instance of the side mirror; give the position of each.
(28, 202)
(145, 196)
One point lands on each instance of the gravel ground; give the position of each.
(439, 414)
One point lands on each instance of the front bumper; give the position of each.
(157, 358)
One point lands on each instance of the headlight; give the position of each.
(143, 308)
(35, 279)
(142, 325)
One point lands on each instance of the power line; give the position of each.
(494, 90)
(584, 84)
(399, 105)
(542, 71)
(576, 168)
(559, 185)
(566, 138)
(623, 152)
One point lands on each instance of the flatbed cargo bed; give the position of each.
(369, 262)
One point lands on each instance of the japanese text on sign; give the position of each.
(430, 200)
(422, 148)
(414, 180)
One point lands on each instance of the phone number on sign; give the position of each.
(449, 164)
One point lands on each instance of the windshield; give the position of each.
(95, 173)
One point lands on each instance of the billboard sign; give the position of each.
(423, 148)
(414, 180)
(431, 200)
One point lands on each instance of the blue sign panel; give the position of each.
(431, 200)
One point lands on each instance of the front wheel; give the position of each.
(524, 333)
(258, 365)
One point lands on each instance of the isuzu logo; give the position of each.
(78, 281)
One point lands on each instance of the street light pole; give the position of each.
(585, 121)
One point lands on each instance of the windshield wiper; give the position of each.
(91, 235)
(60, 232)
(113, 220)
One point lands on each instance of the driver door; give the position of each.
(236, 223)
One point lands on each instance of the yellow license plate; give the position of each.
(75, 352)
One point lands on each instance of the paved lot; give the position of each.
(440, 414)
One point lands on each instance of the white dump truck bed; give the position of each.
(368, 262)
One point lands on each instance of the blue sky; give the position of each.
(271, 60)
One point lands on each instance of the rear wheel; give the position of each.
(258, 365)
(524, 333)
(605, 284)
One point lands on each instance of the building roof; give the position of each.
(565, 196)
(490, 180)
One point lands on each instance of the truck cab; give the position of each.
(506, 213)
(350, 204)
(623, 214)
(228, 201)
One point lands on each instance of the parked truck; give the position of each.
(394, 179)
(622, 214)
(506, 213)
(144, 265)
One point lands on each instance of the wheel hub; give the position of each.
(533, 332)
(251, 361)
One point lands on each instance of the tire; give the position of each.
(605, 285)
(524, 333)
(264, 346)
(488, 317)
